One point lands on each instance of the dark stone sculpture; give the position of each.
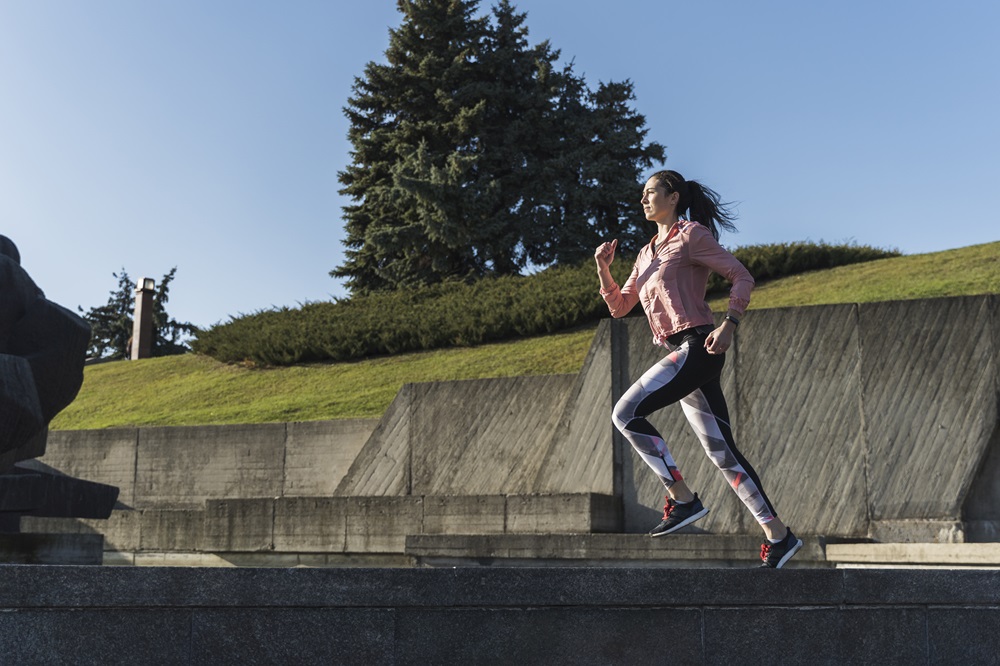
(43, 347)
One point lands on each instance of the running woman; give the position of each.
(669, 279)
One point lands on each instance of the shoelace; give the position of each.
(765, 550)
(668, 508)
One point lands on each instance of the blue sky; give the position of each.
(208, 135)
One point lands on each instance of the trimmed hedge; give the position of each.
(459, 314)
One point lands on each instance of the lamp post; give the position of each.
(142, 321)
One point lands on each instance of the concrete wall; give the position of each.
(183, 467)
(578, 616)
(872, 420)
(864, 421)
(520, 435)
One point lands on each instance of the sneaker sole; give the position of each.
(791, 551)
(693, 517)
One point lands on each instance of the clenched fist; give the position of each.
(605, 254)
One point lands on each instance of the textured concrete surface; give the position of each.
(183, 467)
(678, 550)
(382, 466)
(310, 524)
(518, 435)
(495, 615)
(319, 453)
(186, 466)
(470, 514)
(341, 525)
(483, 437)
(105, 456)
(930, 403)
(474, 437)
(235, 525)
(936, 554)
(854, 432)
(799, 417)
(578, 456)
(51, 548)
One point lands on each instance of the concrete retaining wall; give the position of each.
(864, 421)
(876, 420)
(349, 526)
(577, 616)
(870, 421)
(183, 467)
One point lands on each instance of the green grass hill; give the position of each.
(196, 390)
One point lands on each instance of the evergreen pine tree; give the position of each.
(475, 155)
(404, 115)
(111, 324)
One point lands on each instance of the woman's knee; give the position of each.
(623, 412)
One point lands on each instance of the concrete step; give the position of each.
(985, 555)
(347, 525)
(636, 550)
(51, 548)
(496, 615)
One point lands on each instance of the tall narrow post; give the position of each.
(620, 381)
(142, 321)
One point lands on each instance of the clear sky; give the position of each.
(208, 135)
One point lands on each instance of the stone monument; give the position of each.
(42, 351)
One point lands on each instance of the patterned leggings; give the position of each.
(690, 375)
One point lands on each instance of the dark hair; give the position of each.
(703, 203)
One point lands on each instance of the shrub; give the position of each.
(459, 314)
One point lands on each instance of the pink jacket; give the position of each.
(671, 282)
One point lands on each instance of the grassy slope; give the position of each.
(188, 390)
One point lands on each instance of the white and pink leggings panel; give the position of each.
(689, 375)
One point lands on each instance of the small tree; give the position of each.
(111, 324)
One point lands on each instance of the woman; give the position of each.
(669, 279)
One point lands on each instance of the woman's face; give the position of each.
(656, 203)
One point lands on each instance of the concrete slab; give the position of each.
(243, 636)
(99, 636)
(679, 550)
(380, 524)
(800, 423)
(163, 529)
(561, 514)
(51, 549)
(817, 635)
(195, 615)
(469, 514)
(238, 525)
(958, 554)
(382, 467)
(579, 457)
(311, 524)
(929, 395)
(319, 453)
(484, 436)
(104, 456)
(183, 467)
(120, 531)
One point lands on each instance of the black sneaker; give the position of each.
(776, 554)
(676, 516)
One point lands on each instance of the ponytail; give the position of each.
(702, 203)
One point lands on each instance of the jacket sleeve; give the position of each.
(621, 301)
(705, 250)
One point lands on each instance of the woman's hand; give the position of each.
(605, 254)
(721, 339)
